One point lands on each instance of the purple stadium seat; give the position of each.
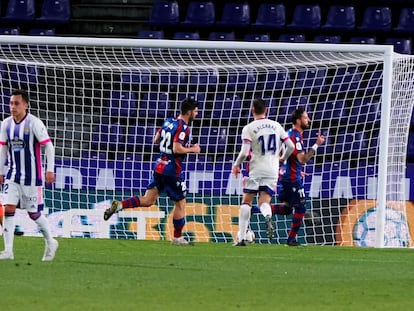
(154, 105)
(374, 83)
(108, 136)
(142, 77)
(312, 80)
(228, 106)
(406, 20)
(122, 104)
(402, 46)
(55, 11)
(340, 17)
(235, 15)
(20, 11)
(214, 139)
(257, 37)
(203, 77)
(41, 32)
(331, 111)
(164, 13)
(200, 14)
(221, 36)
(291, 38)
(376, 18)
(270, 16)
(9, 31)
(327, 39)
(306, 17)
(362, 40)
(24, 74)
(346, 79)
(186, 35)
(242, 80)
(150, 34)
(277, 79)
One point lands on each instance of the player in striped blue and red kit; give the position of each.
(292, 192)
(173, 141)
(21, 137)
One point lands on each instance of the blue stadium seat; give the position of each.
(203, 77)
(24, 74)
(150, 34)
(9, 31)
(291, 38)
(200, 14)
(402, 46)
(20, 11)
(154, 105)
(374, 83)
(221, 36)
(334, 110)
(55, 11)
(257, 37)
(108, 136)
(214, 139)
(186, 35)
(362, 40)
(346, 79)
(134, 77)
(406, 20)
(311, 80)
(228, 106)
(242, 80)
(359, 112)
(277, 79)
(306, 17)
(235, 15)
(164, 13)
(141, 137)
(376, 18)
(340, 17)
(122, 104)
(327, 39)
(171, 77)
(41, 32)
(270, 16)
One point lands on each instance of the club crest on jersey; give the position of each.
(26, 130)
(17, 144)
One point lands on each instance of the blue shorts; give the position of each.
(292, 193)
(173, 186)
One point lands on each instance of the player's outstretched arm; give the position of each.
(304, 158)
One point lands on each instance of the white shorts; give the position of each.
(254, 185)
(29, 198)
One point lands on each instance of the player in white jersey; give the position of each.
(261, 144)
(21, 136)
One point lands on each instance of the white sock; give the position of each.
(8, 233)
(244, 218)
(44, 228)
(266, 210)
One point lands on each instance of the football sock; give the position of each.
(8, 233)
(265, 209)
(178, 227)
(44, 227)
(131, 202)
(244, 218)
(297, 222)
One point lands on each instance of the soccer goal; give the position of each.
(103, 99)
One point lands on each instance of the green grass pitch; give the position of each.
(95, 274)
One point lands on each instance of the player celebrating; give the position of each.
(173, 138)
(21, 136)
(261, 142)
(292, 192)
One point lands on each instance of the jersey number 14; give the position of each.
(269, 144)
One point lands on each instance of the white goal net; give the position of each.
(103, 99)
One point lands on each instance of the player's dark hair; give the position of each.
(297, 114)
(188, 104)
(259, 106)
(23, 93)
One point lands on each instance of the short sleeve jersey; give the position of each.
(292, 167)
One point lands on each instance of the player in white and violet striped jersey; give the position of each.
(21, 137)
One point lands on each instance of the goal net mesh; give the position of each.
(102, 106)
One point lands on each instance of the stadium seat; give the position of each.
(362, 40)
(24, 74)
(41, 32)
(406, 20)
(257, 37)
(306, 17)
(206, 77)
(235, 15)
(312, 80)
(186, 35)
(346, 79)
(340, 17)
(291, 38)
(276, 79)
(402, 46)
(359, 112)
(327, 39)
(330, 111)
(376, 18)
(228, 106)
(9, 31)
(55, 11)
(270, 16)
(150, 34)
(374, 83)
(164, 13)
(241, 80)
(20, 11)
(108, 137)
(200, 14)
(154, 105)
(215, 139)
(221, 36)
(122, 104)
(141, 137)
(141, 77)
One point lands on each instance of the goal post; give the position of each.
(102, 99)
